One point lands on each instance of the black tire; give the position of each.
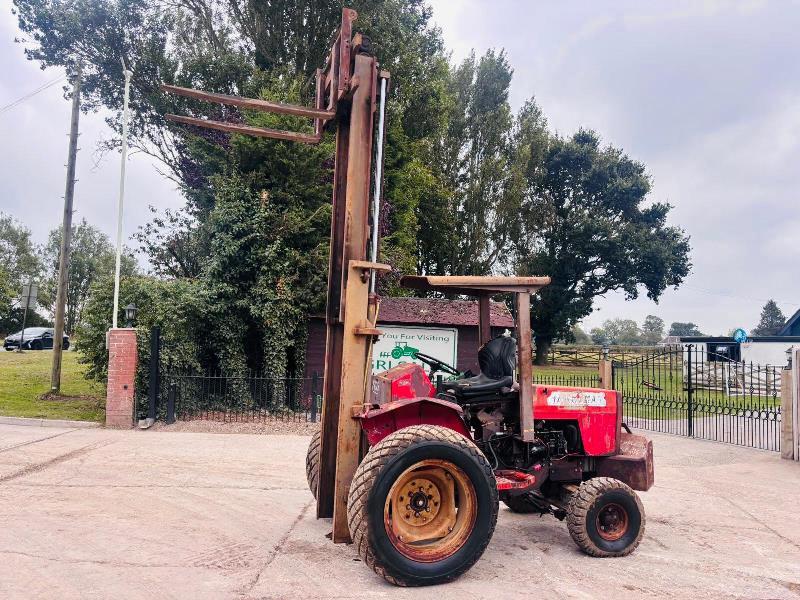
(35, 345)
(312, 462)
(65, 346)
(522, 504)
(387, 462)
(600, 497)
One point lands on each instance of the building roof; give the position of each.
(787, 328)
(437, 311)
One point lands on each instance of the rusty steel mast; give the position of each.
(346, 99)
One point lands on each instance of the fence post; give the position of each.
(171, 403)
(155, 358)
(314, 388)
(787, 414)
(689, 398)
(605, 372)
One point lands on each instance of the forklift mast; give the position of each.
(345, 102)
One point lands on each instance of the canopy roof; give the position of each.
(475, 285)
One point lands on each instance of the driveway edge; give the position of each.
(48, 422)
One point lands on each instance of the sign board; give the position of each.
(740, 335)
(398, 344)
(30, 292)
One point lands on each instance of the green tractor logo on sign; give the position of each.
(402, 349)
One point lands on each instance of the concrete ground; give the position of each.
(94, 513)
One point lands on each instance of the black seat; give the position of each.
(497, 359)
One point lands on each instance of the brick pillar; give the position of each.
(122, 357)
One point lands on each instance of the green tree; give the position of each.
(268, 200)
(772, 320)
(684, 329)
(621, 332)
(20, 264)
(599, 336)
(91, 257)
(652, 330)
(585, 220)
(464, 225)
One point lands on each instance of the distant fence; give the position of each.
(590, 356)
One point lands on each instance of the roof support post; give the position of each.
(525, 370)
(484, 320)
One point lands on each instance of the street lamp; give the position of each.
(789, 357)
(606, 350)
(130, 314)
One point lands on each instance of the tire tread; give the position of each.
(377, 457)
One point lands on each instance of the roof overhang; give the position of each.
(475, 285)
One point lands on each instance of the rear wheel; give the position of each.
(605, 518)
(65, 346)
(422, 506)
(312, 462)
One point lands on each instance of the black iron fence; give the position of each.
(697, 393)
(249, 396)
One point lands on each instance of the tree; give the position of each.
(772, 320)
(599, 336)
(652, 329)
(579, 336)
(621, 332)
(584, 220)
(684, 329)
(267, 199)
(91, 257)
(19, 264)
(466, 230)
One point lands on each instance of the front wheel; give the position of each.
(422, 506)
(605, 518)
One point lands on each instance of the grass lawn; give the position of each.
(25, 379)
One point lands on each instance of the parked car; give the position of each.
(35, 338)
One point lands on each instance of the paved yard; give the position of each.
(100, 514)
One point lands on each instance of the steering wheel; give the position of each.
(436, 365)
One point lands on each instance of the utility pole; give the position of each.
(128, 73)
(66, 234)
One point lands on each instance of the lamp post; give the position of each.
(789, 357)
(130, 315)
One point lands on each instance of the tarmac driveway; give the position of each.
(95, 513)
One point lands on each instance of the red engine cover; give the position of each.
(407, 380)
(597, 412)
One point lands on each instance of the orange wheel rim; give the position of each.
(612, 522)
(430, 510)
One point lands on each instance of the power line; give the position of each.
(738, 297)
(29, 95)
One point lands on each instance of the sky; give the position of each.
(705, 93)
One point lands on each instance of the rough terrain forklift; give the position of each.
(410, 471)
(423, 502)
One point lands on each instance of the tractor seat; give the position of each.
(497, 359)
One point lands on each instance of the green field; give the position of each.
(25, 381)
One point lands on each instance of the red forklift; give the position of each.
(408, 470)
